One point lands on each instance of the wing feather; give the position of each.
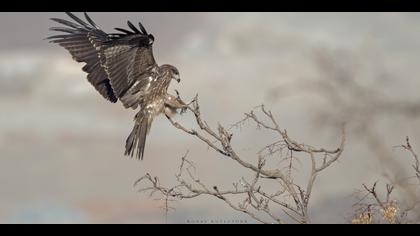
(77, 19)
(143, 30)
(90, 21)
(66, 22)
(124, 31)
(78, 43)
(114, 62)
(133, 27)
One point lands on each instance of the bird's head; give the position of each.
(173, 71)
(176, 76)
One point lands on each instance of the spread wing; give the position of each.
(80, 40)
(128, 58)
(116, 61)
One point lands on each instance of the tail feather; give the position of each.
(137, 137)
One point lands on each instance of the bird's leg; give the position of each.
(172, 104)
(181, 104)
(185, 106)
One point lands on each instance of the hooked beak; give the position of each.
(177, 78)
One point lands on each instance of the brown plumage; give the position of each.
(121, 67)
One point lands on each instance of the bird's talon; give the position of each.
(183, 110)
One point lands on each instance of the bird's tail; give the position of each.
(137, 137)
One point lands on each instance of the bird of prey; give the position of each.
(121, 67)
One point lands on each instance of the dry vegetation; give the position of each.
(371, 208)
(290, 199)
(356, 107)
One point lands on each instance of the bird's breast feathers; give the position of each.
(156, 106)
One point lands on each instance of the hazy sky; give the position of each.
(61, 144)
(27, 29)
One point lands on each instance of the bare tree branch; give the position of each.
(289, 200)
(416, 165)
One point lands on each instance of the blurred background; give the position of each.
(62, 144)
